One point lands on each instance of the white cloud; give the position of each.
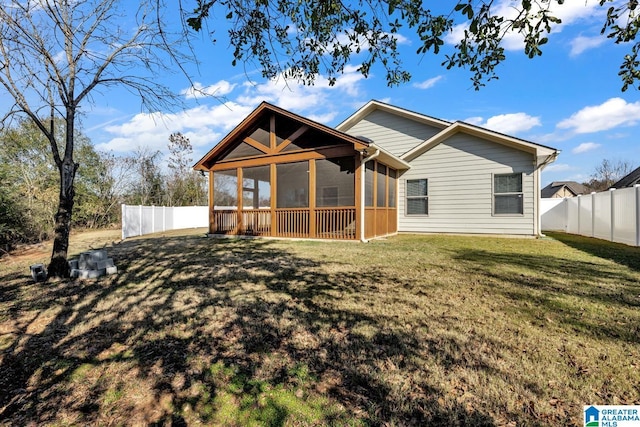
(429, 83)
(205, 125)
(612, 113)
(323, 118)
(581, 44)
(510, 124)
(584, 147)
(558, 167)
(299, 98)
(475, 120)
(570, 12)
(218, 89)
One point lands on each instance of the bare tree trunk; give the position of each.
(59, 267)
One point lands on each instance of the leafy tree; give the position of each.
(11, 221)
(147, 184)
(185, 186)
(31, 179)
(99, 187)
(607, 173)
(54, 55)
(301, 39)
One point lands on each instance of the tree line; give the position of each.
(30, 182)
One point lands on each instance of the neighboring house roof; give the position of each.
(575, 188)
(629, 180)
(544, 154)
(366, 147)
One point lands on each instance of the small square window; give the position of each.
(508, 198)
(417, 196)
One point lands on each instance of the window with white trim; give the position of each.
(417, 196)
(508, 198)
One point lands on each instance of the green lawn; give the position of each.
(411, 330)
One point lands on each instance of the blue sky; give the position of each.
(569, 98)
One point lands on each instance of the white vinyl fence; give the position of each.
(611, 215)
(140, 220)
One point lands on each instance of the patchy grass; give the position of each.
(412, 330)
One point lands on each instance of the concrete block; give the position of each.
(89, 260)
(104, 263)
(38, 272)
(73, 263)
(112, 270)
(91, 274)
(75, 273)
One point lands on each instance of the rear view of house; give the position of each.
(463, 178)
(381, 171)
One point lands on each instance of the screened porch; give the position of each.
(307, 199)
(282, 175)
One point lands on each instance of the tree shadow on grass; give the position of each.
(543, 287)
(223, 332)
(617, 252)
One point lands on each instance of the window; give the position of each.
(417, 197)
(507, 194)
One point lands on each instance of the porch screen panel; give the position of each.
(392, 188)
(261, 133)
(226, 189)
(292, 185)
(368, 183)
(335, 182)
(243, 150)
(382, 186)
(256, 187)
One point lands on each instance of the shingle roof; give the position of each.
(628, 180)
(556, 186)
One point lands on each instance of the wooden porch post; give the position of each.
(312, 198)
(272, 133)
(240, 228)
(211, 204)
(375, 198)
(358, 195)
(274, 198)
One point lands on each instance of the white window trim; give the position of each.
(493, 195)
(406, 198)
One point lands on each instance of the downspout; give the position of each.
(551, 158)
(362, 189)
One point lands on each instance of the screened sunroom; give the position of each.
(282, 175)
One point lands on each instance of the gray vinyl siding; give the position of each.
(394, 133)
(460, 172)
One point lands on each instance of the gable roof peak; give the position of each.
(375, 105)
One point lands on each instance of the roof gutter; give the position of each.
(362, 188)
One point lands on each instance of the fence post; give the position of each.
(579, 211)
(164, 219)
(637, 187)
(123, 208)
(140, 220)
(593, 214)
(613, 212)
